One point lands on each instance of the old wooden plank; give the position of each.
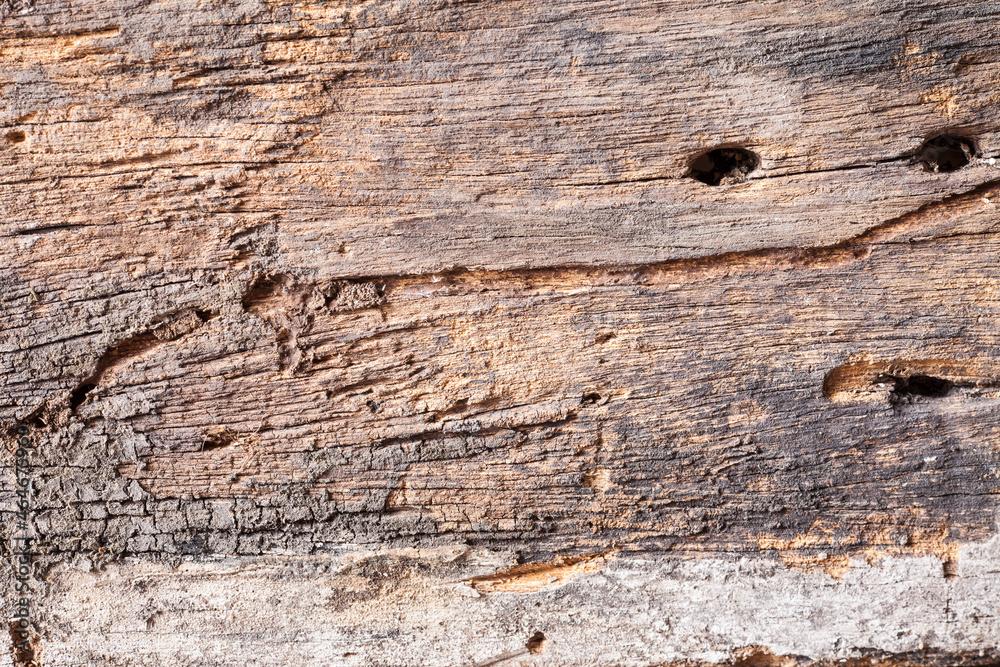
(385, 138)
(680, 406)
(298, 289)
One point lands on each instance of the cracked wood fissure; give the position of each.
(407, 321)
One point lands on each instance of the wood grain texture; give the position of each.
(293, 280)
(382, 137)
(411, 607)
(580, 409)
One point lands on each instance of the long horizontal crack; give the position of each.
(48, 229)
(891, 231)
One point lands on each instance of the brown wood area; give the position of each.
(577, 282)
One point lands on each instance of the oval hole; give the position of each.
(724, 166)
(947, 152)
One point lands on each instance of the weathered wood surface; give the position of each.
(384, 138)
(291, 283)
(387, 608)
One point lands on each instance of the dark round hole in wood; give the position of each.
(947, 152)
(724, 166)
(79, 395)
(536, 644)
(15, 136)
(907, 388)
